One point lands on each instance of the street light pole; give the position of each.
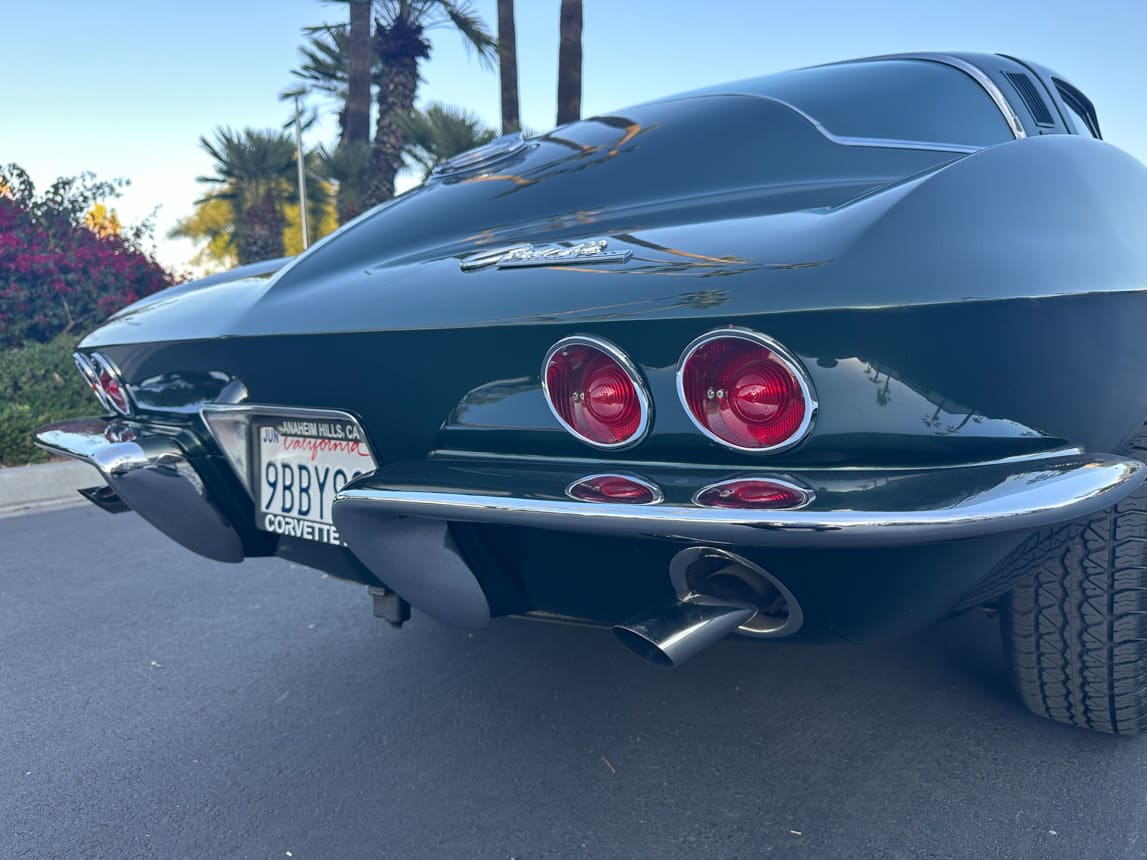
(302, 176)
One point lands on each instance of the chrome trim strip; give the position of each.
(847, 140)
(797, 368)
(496, 457)
(1017, 502)
(272, 410)
(807, 495)
(658, 496)
(614, 352)
(890, 143)
(995, 93)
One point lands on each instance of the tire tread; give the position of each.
(1075, 626)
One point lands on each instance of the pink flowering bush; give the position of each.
(58, 275)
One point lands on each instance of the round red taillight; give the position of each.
(745, 391)
(109, 382)
(754, 494)
(594, 390)
(623, 489)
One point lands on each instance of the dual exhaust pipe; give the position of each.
(718, 592)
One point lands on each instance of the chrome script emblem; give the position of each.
(521, 256)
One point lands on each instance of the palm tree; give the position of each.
(400, 43)
(356, 129)
(347, 166)
(440, 132)
(569, 62)
(329, 68)
(508, 66)
(255, 174)
(325, 67)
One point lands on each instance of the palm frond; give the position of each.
(475, 35)
(439, 132)
(325, 65)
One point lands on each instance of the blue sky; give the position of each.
(125, 88)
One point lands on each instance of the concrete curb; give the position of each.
(25, 487)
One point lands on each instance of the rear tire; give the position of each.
(1075, 627)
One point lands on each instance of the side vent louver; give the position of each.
(1031, 97)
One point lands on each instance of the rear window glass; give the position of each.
(911, 100)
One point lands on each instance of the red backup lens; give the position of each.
(594, 395)
(753, 494)
(614, 488)
(743, 393)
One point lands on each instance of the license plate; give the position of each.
(301, 466)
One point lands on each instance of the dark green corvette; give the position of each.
(835, 352)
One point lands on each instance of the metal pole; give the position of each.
(302, 178)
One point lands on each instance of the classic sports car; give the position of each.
(835, 352)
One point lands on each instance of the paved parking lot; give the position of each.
(156, 704)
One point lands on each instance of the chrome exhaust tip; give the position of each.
(677, 631)
(718, 592)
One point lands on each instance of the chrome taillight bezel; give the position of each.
(792, 364)
(102, 364)
(88, 372)
(645, 402)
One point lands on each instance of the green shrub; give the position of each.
(38, 384)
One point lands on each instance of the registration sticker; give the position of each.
(301, 466)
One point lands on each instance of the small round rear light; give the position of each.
(91, 378)
(111, 384)
(620, 489)
(595, 392)
(746, 391)
(757, 494)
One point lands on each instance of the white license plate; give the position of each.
(301, 466)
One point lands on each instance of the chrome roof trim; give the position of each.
(974, 72)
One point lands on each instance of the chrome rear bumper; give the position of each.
(851, 508)
(152, 475)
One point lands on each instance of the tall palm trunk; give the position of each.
(357, 123)
(508, 66)
(395, 100)
(356, 114)
(399, 47)
(260, 231)
(569, 62)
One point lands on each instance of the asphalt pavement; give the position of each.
(155, 704)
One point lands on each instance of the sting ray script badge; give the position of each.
(521, 256)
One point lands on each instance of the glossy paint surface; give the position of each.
(949, 305)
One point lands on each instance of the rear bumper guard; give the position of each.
(150, 474)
